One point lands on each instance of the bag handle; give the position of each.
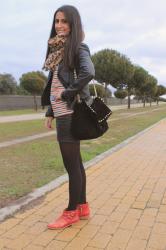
(78, 99)
(78, 95)
(94, 87)
(95, 90)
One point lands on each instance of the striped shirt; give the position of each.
(59, 106)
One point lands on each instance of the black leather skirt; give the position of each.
(63, 127)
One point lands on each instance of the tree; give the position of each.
(21, 91)
(105, 62)
(34, 83)
(113, 68)
(121, 94)
(160, 90)
(151, 88)
(146, 91)
(125, 72)
(8, 84)
(139, 79)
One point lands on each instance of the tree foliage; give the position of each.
(105, 62)
(34, 83)
(100, 90)
(145, 84)
(120, 93)
(21, 91)
(160, 90)
(8, 84)
(113, 68)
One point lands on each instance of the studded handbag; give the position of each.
(89, 121)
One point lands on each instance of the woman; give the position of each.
(70, 69)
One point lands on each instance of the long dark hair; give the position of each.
(76, 34)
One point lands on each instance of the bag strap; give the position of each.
(94, 87)
(78, 99)
(95, 90)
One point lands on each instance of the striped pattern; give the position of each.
(59, 107)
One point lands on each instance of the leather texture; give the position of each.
(85, 73)
(65, 220)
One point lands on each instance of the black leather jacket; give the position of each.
(85, 72)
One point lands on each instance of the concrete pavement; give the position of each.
(127, 195)
(16, 118)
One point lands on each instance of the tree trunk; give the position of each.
(144, 101)
(35, 102)
(157, 101)
(105, 96)
(150, 101)
(128, 95)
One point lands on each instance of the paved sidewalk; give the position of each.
(127, 195)
(16, 118)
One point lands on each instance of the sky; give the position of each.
(134, 28)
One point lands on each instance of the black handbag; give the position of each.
(89, 121)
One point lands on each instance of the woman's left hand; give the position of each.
(48, 122)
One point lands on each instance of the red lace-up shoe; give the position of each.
(83, 211)
(65, 220)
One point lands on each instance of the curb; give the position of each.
(38, 193)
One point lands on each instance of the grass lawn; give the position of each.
(29, 165)
(15, 130)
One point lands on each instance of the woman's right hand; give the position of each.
(48, 122)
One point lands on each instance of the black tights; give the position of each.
(77, 178)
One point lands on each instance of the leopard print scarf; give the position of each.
(56, 52)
